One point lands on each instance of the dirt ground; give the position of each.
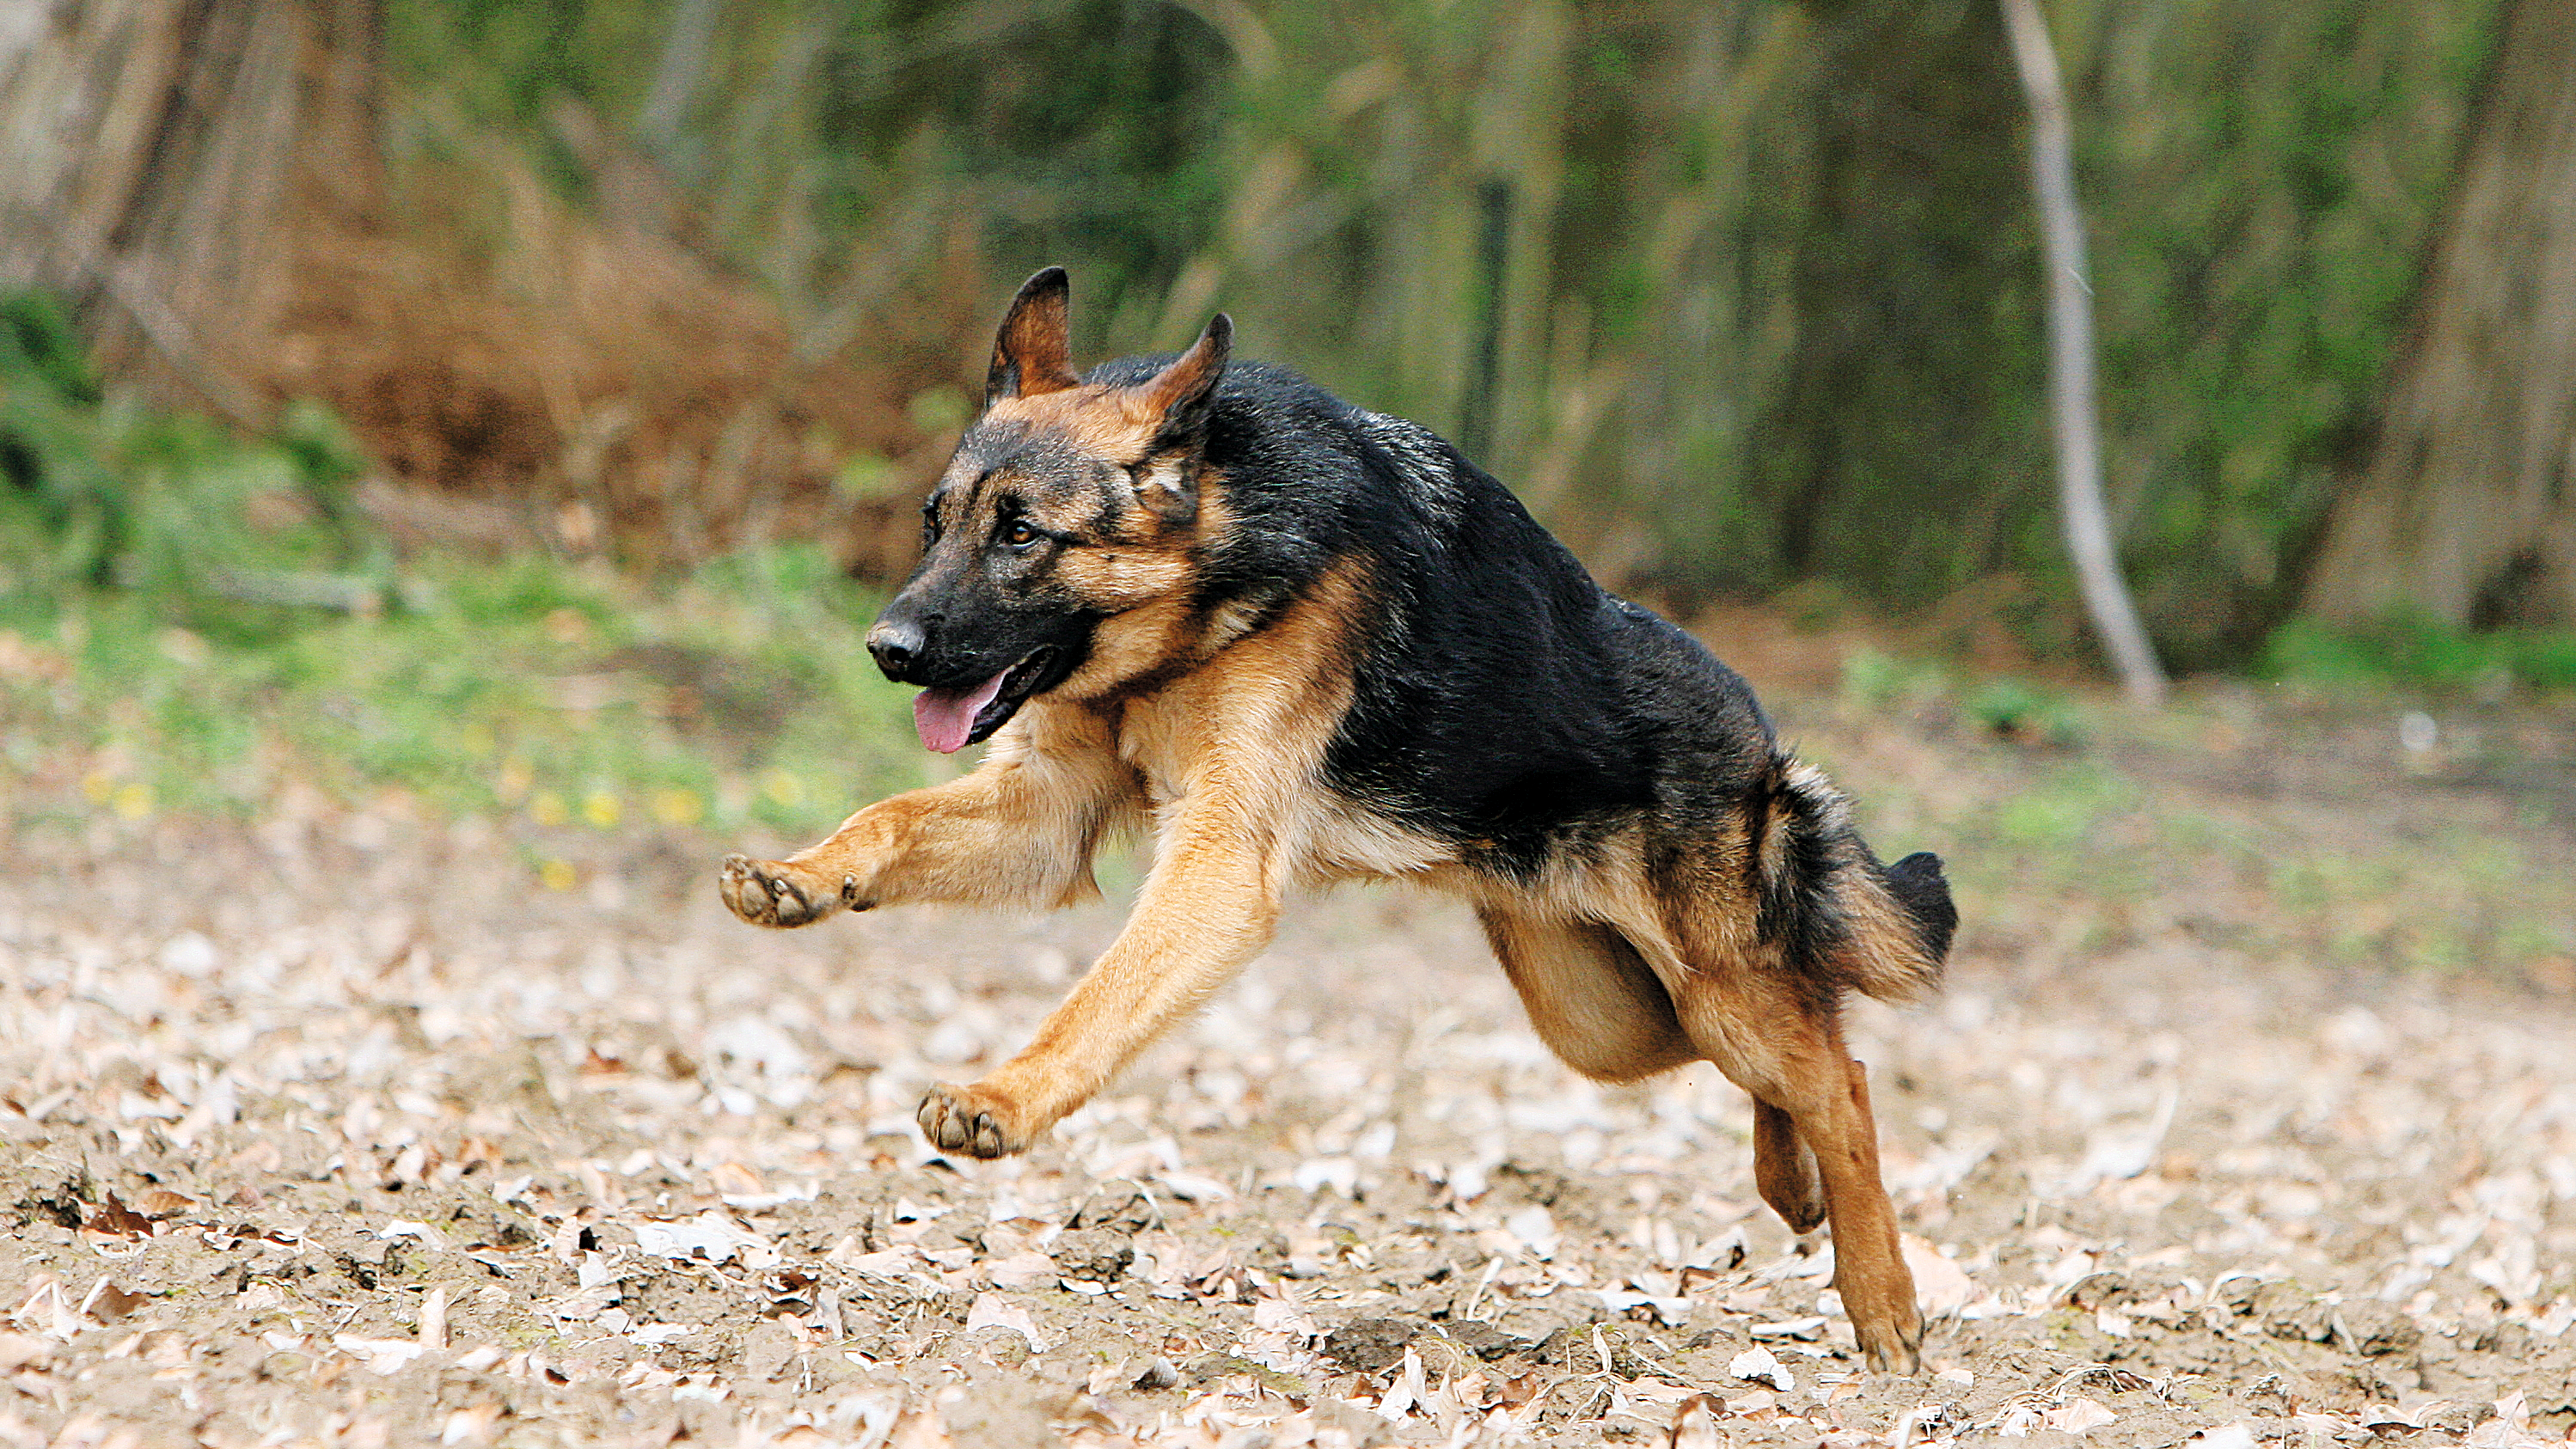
(336, 1128)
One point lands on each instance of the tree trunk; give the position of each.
(2467, 516)
(2082, 515)
(158, 154)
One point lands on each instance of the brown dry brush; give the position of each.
(243, 214)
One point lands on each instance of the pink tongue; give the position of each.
(946, 716)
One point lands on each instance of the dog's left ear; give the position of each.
(1182, 395)
(1176, 404)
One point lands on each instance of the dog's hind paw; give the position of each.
(1892, 1347)
(957, 1119)
(775, 893)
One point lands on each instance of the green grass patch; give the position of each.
(2421, 654)
(742, 693)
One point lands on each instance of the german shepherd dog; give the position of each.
(1308, 643)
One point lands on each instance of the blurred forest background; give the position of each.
(618, 297)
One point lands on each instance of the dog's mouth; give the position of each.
(952, 717)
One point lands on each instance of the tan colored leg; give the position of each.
(1785, 1171)
(1208, 908)
(1757, 1031)
(1018, 831)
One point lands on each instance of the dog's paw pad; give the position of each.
(955, 1121)
(768, 893)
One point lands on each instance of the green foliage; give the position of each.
(503, 60)
(108, 491)
(1903, 452)
(2019, 710)
(1877, 681)
(564, 696)
(39, 348)
(1766, 305)
(2263, 180)
(2422, 654)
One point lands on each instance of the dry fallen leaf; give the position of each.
(1757, 1364)
(1940, 1284)
(433, 1318)
(113, 1217)
(1022, 1270)
(107, 1302)
(991, 1310)
(709, 1237)
(2078, 1415)
(384, 1355)
(1254, 1155)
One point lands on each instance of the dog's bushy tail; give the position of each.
(1843, 921)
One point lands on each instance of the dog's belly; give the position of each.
(1338, 841)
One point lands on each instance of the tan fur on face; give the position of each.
(1149, 563)
(1112, 423)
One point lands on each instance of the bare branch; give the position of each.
(2070, 346)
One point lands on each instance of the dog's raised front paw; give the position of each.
(775, 893)
(961, 1119)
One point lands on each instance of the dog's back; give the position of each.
(1505, 703)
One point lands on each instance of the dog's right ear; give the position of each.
(1031, 354)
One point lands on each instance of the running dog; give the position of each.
(1307, 643)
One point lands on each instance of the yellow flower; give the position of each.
(548, 808)
(558, 875)
(134, 801)
(675, 806)
(601, 809)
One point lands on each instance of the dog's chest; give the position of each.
(1157, 742)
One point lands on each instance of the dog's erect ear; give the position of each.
(1176, 403)
(1031, 354)
(1183, 394)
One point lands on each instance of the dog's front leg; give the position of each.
(1208, 908)
(1019, 831)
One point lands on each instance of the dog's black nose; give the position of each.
(895, 645)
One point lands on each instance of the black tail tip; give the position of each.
(1925, 894)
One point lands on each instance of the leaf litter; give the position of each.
(328, 1130)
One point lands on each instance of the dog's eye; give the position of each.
(1019, 535)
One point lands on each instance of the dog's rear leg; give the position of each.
(1785, 1171)
(1589, 995)
(1790, 1056)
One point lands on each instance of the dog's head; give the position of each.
(1068, 504)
